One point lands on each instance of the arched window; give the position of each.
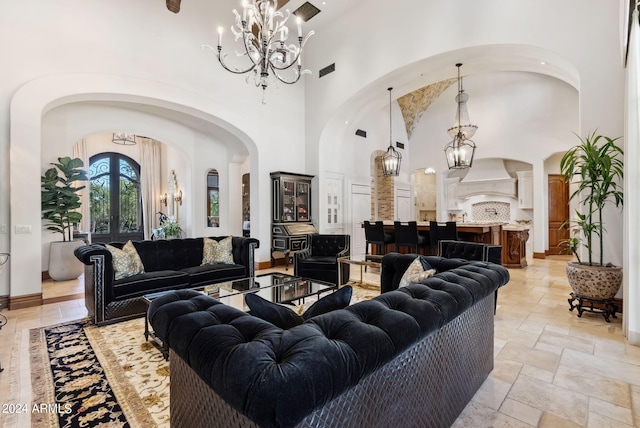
(213, 198)
(115, 198)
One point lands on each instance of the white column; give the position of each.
(631, 231)
(540, 208)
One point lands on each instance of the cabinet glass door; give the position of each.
(302, 202)
(288, 200)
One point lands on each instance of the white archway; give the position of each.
(28, 107)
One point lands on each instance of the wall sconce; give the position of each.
(163, 199)
(178, 197)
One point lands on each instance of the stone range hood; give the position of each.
(487, 177)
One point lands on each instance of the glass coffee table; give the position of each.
(274, 287)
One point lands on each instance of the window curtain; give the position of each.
(80, 151)
(150, 183)
(631, 233)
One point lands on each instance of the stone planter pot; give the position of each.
(594, 282)
(63, 264)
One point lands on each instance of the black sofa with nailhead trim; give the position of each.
(168, 265)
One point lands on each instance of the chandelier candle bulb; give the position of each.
(299, 22)
(220, 30)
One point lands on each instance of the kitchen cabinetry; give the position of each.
(290, 213)
(426, 197)
(525, 189)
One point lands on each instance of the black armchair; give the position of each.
(320, 259)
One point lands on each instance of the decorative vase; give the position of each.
(594, 282)
(63, 264)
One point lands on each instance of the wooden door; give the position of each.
(558, 212)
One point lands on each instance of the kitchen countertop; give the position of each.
(516, 227)
(505, 226)
(459, 223)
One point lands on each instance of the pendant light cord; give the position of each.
(458, 98)
(390, 133)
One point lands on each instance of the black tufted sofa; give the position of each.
(168, 264)
(319, 260)
(413, 357)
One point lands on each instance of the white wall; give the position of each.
(415, 45)
(150, 60)
(86, 51)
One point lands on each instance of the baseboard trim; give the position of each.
(267, 264)
(63, 298)
(539, 255)
(45, 275)
(26, 301)
(4, 302)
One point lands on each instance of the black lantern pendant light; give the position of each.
(460, 150)
(392, 158)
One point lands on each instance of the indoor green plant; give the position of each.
(170, 228)
(59, 202)
(595, 167)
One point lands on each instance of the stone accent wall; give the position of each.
(382, 191)
(415, 103)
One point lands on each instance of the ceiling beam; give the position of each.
(173, 5)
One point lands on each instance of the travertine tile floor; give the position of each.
(552, 369)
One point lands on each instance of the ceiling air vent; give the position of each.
(328, 69)
(361, 133)
(399, 145)
(306, 11)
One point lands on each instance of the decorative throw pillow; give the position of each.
(418, 270)
(217, 252)
(285, 318)
(126, 261)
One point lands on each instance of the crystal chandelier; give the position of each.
(460, 150)
(123, 139)
(264, 35)
(392, 158)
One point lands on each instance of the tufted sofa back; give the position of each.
(470, 251)
(171, 254)
(394, 266)
(259, 369)
(328, 245)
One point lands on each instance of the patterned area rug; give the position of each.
(105, 376)
(98, 376)
(363, 291)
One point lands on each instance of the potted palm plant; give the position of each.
(595, 166)
(60, 201)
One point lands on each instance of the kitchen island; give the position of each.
(487, 233)
(514, 245)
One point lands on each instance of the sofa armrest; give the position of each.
(98, 279)
(85, 252)
(344, 253)
(244, 252)
(89, 255)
